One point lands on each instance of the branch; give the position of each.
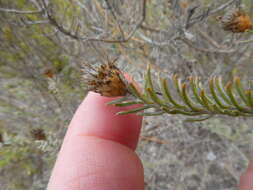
(53, 21)
(208, 38)
(26, 22)
(15, 11)
(191, 98)
(115, 17)
(190, 44)
(190, 21)
(220, 8)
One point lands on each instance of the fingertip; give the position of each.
(96, 164)
(97, 152)
(246, 181)
(95, 117)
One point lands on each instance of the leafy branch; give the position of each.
(190, 99)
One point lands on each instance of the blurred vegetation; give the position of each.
(44, 43)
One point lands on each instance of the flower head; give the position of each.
(1, 138)
(105, 79)
(236, 21)
(38, 134)
(49, 73)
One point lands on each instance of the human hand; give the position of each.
(98, 151)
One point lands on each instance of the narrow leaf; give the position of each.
(199, 119)
(137, 94)
(147, 79)
(167, 95)
(134, 110)
(214, 95)
(150, 89)
(219, 86)
(188, 101)
(178, 85)
(232, 98)
(206, 102)
(240, 90)
(151, 113)
(249, 97)
(154, 97)
(119, 100)
(128, 103)
(183, 112)
(193, 82)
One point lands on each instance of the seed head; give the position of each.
(38, 134)
(1, 138)
(236, 21)
(105, 79)
(48, 73)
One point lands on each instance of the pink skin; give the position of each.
(246, 182)
(98, 151)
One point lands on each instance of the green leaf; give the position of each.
(178, 85)
(232, 98)
(179, 111)
(193, 82)
(117, 101)
(154, 97)
(214, 94)
(188, 101)
(199, 119)
(219, 85)
(167, 95)
(151, 113)
(137, 94)
(240, 90)
(128, 103)
(205, 101)
(249, 97)
(134, 110)
(150, 89)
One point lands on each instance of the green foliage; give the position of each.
(231, 99)
(31, 44)
(23, 154)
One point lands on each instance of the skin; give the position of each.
(98, 151)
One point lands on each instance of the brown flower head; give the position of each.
(236, 21)
(1, 138)
(105, 79)
(49, 73)
(38, 134)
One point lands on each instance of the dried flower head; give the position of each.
(48, 73)
(105, 79)
(1, 138)
(38, 134)
(236, 21)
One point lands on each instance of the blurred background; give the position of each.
(43, 45)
